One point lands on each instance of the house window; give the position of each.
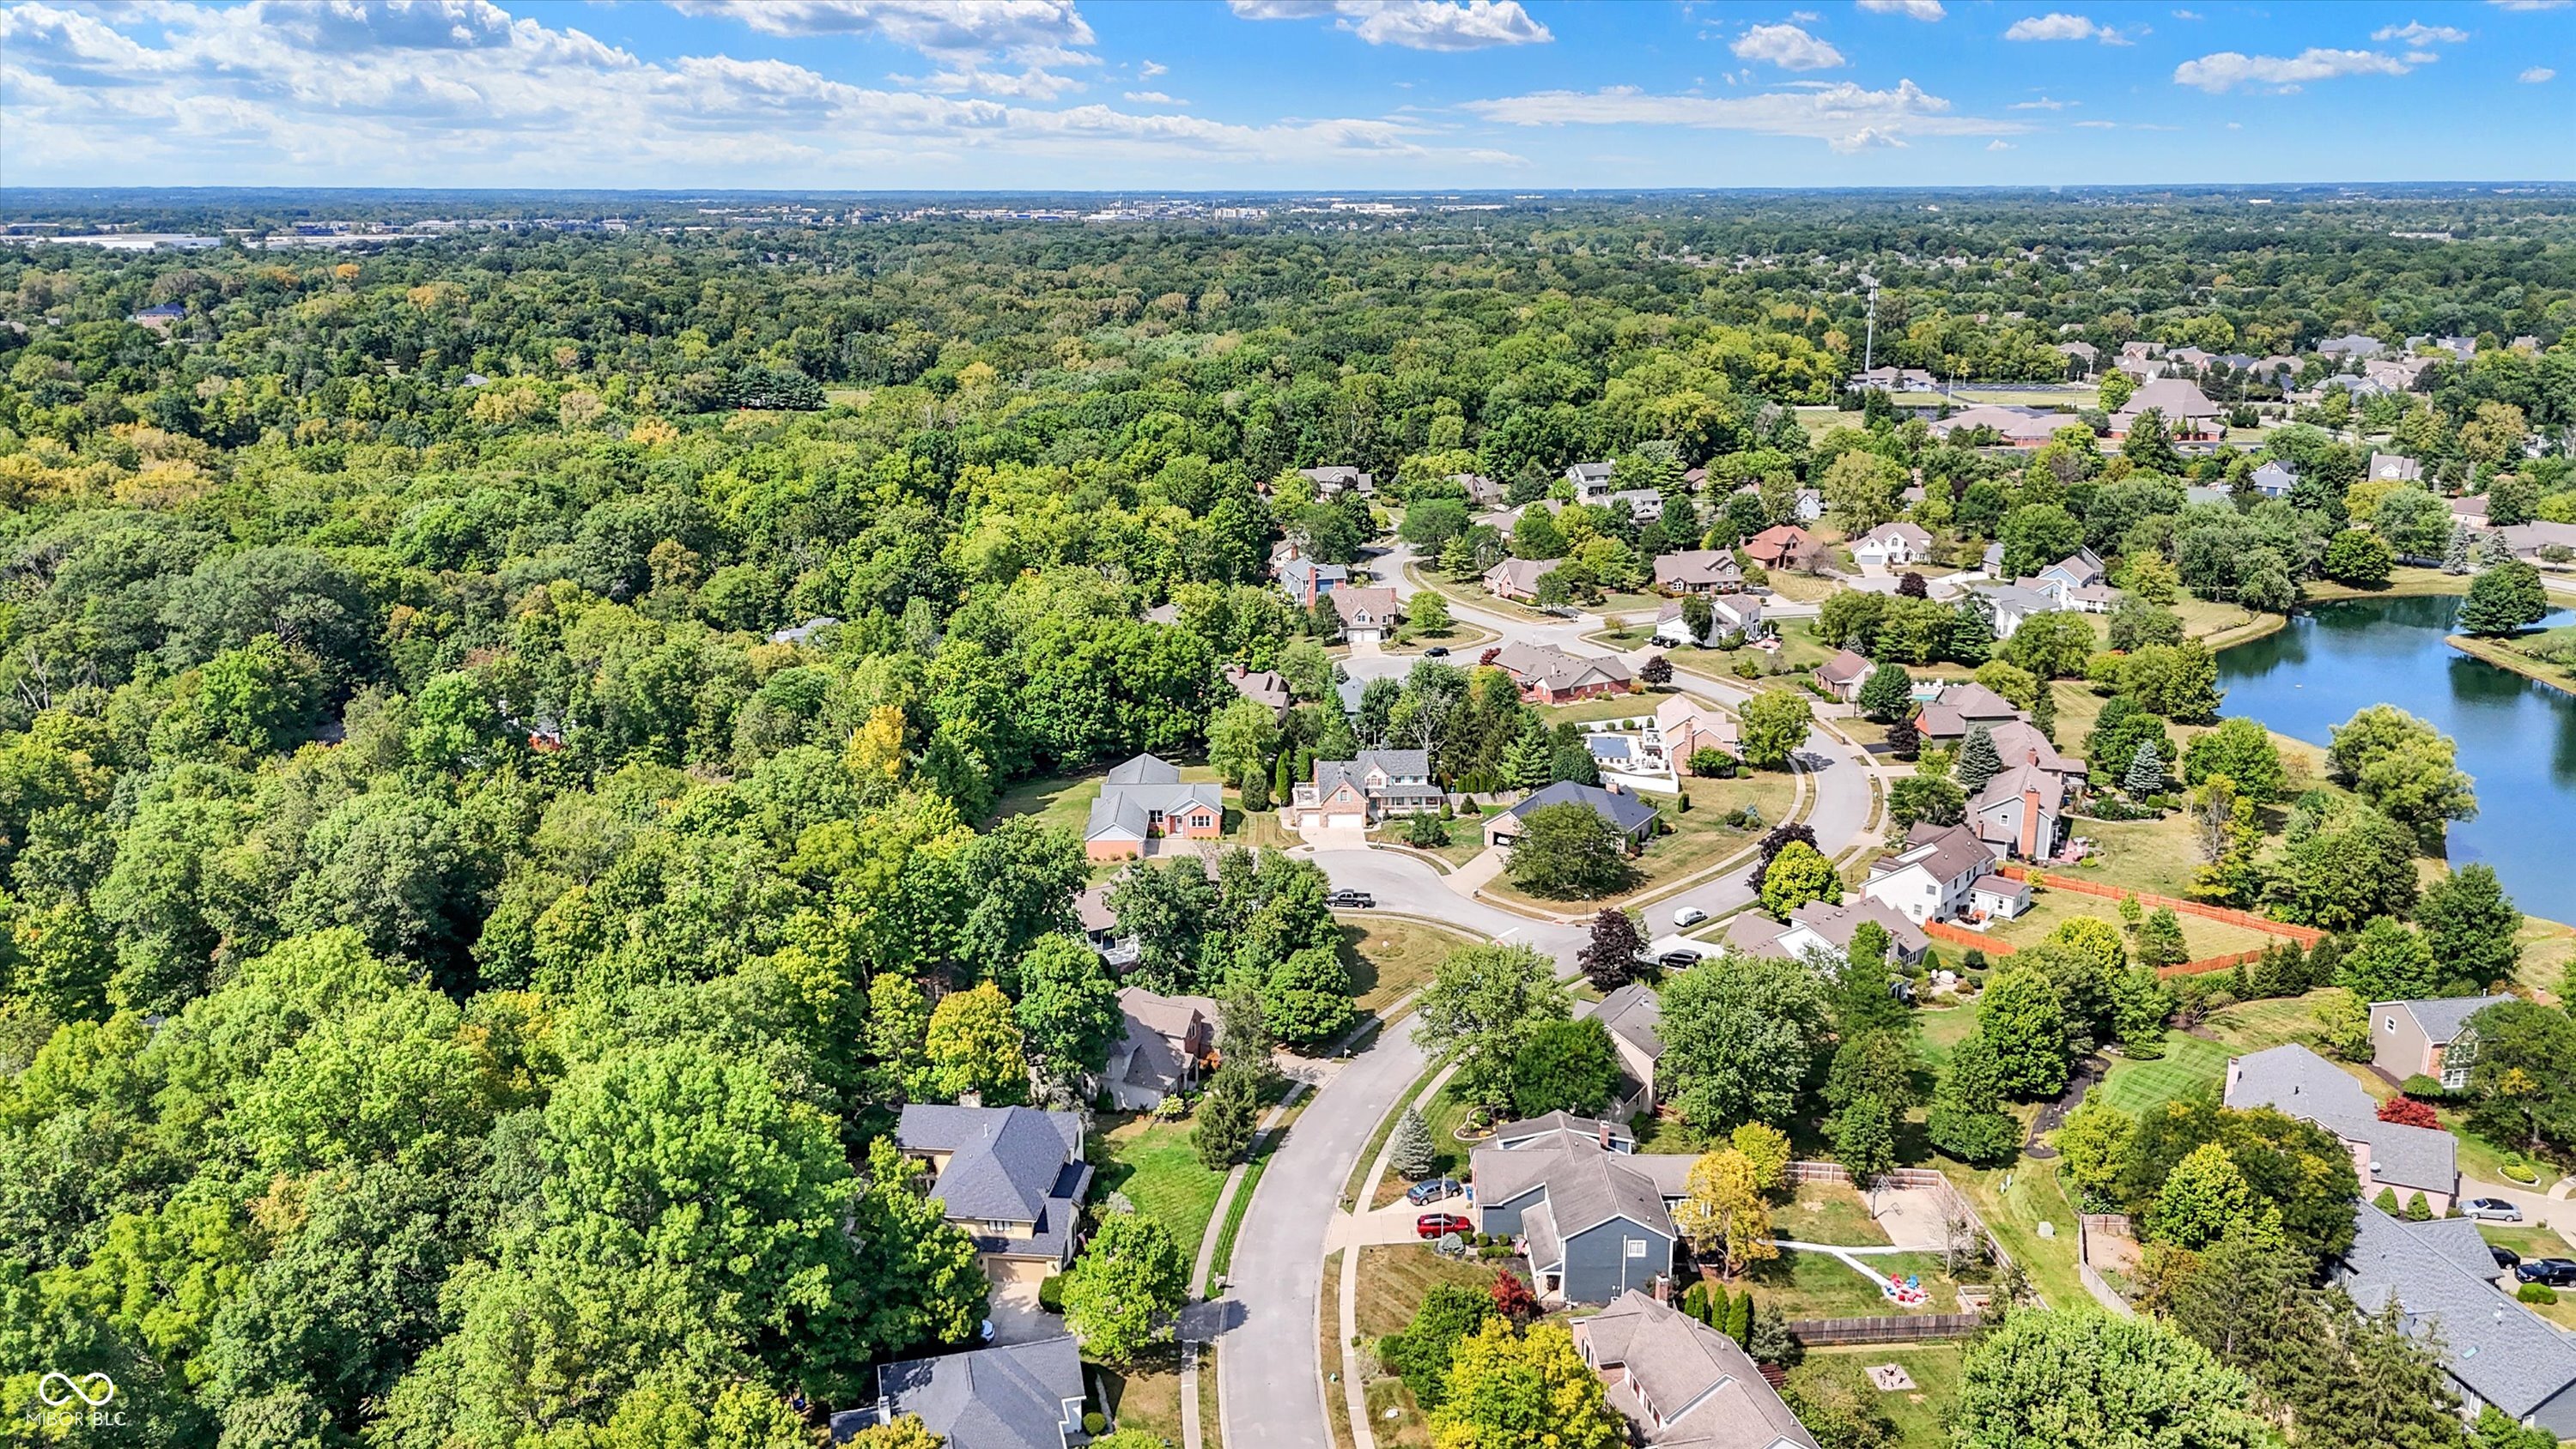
(1636, 1247)
(997, 1228)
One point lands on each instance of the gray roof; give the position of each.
(1005, 1163)
(1136, 788)
(1552, 1125)
(2490, 1343)
(1011, 1397)
(1837, 923)
(1635, 1015)
(1555, 668)
(2296, 1082)
(1626, 813)
(1396, 765)
(1704, 1390)
(1585, 1186)
(1946, 851)
(1588, 472)
(1261, 686)
(2441, 1019)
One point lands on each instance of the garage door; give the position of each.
(1346, 822)
(1018, 1270)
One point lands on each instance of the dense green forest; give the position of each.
(425, 857)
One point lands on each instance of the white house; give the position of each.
(1891, 545)
(2275, 479)
(1591, 481)
(1933, 875)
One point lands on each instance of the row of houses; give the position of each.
(2023, 812)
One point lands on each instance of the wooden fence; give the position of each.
(2304, 935)
(1897, 1328)
(1953, 1202)
(1962, 936)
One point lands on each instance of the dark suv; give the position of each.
(2556, 1272)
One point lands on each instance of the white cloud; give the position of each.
(2417, 33)
(1154, 98)
(1033, 32)
(1147, 70)
(1448, 25)
(2044, 103)
(2058, 25)
(1845, 116)
(2187, 15)
(1787, 47)
(1034, 84)
(2531, 4)
(1999, 144)
(2228, 69)
(272, 92)
(2098, 125)
(1911, 9)
(2537, 75)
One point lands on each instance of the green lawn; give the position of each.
(1916, 1412)
(1446, 1113)
(2188, 1065)
(1698, 838)
(1828, 1212)
(2014, 1201)
(2154, 856)
(1154, 1165)
(1394, 1279)
(1389, 957)
(1820, 1285)
(1639, 707)
(2537, 1242)
(2051, 908)
(1062, 801)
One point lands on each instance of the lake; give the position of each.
(2517, 736)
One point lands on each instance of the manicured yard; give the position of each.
(1699, 837)
(2050, 908)
(1389, 957)
(2014, 1201)
(1145, 1395)
(1154, 1165)
(1944, 1027)
(2539, 1243)
(1062, 801)
(1828, 1212)
(2189, 1065)
(1820, 1285)
(2154, 856)
(1446, 1113)
(1639, 707)
(1916, 1412)
(1394, 1279)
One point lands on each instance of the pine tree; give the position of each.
(2146, 772)
(2043, 713)
(1529, 763)
(1905, 739)
(2491, 549)
(1978, 761)
(1720, 1309)
(1228, 1113)
(1256, 793)
(2455, 557)
(1409, 1151)
(1739, 1318)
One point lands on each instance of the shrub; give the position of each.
(2521, 1170)
(1051, 1293)
(1094, 1423)
(2407, 1112)
(2422, 1088)
(2386, 1201)
(2540, 1293)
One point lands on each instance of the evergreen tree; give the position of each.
(1978, 761)
(1905, 739)
(1887, 693)
(1529, 762)
(2455, 555)
(1229, 1111)
(2146, 772)
(1410, 1150)
(2043, 712)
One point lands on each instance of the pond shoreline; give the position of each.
(2504, 656)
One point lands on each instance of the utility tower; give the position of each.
(1869, 339)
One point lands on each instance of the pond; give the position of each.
(2517, 736)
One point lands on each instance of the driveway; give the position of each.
(2538, 1207)
(1017, 1317)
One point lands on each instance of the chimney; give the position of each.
(2030, 821)
(970, 1099)
(1604, 1126)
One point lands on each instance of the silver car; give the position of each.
(2490, 1210)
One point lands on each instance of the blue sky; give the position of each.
(1286, 94)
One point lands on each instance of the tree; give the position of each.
(1767, 1148)
(1509, 1390)
(1566, 1066)
(974, 1045)
(2205, 1199)
(1068, 1010)
(2076, 1379)
(2388, 962)
(1242, 740)
(2242, 750)
(1512, 1297)
(1797, 875)
(1228, 1114)
(1609, 959)
(2360, 558)
(1428, 613)
(2022, 1021)
(1656, 671)
(1740, 1039)
(2160, 940)
(2036, 535)
(1410, 1149)
(1723, 1214)
(1775, 724)
(2343, 1021)
(2407, 1112)
(1967, 1119)
(2403, 766)
(2136, 623)
(1126, 1291)
(1479, 1011)
(1861, 489)
(2050, 646)
(2093, 1147)
(1887, 693)
(2146, 774)
(1864, 1134)
(1422, 1353)
(2295, 1166)
(1306, 997)
(2503, 599)
(1978, 761)
(2519, 1087)
(1568, 850)
(2470, 924)
(1773, 841)
(2339, 867)
(927, 1286)
(1904, 738)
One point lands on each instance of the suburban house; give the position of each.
(1932, 876)
(1959, 708)
(1893, 379)
(1998, 898)
(2296, 1082)
(1644, 505)
(1784, 546)
(1334, 480)
(2188, 413)
(1100, 927)
(1821, 926)
(1634, 1017)
(2021, 812)
(2417, 1038)
(1683, 727)
(2011, 603)
(1593, 1223)
(1369, 615)
(2443, 1282)
(2018, 427)
(1627, 814)
(1263, 687)
(1739, 614)
(1357, 793)
(1681, 1384)
(1481, 491)
(1591, 481)
(1014, 1396)
(2082, 569)
(1012, 1177)
(1517, 579)
(2470, 509)
(2351, 344)
(2081, 357)
(2533, 542)
(2395, 468)
(1306, 580)
(2274, 479)
(1549, 1128)
(1891, 545)
(1144, 799)
(1169, 1041)
(1548, 675)
(1844, 674)
(1698, 571)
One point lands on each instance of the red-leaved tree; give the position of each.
(2407, 1112)
(1512, 1296)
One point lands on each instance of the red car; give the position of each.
(1433, 1225)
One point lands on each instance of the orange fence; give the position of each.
(2209, 963)
(2304, 935)
(1961, 935)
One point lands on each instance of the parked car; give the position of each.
(2556, 1272)
(1440, 1225)
(1350, 900)
(2504, 1257)
(1436, 651)
(1678, 960)
(1689, 916)
(1434, 1190)
(2490, 1209)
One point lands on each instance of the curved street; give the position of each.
(1271, 1391)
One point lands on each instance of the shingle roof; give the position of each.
(1844, 667)
(1009, 1397)
(1144, 770)
(1626, 813)
(2441, 1019)
(2490, 1343)
(2296, 1082)
(1585, 1186)
(1523, 573)
(1946, 851)
(1705, 1389)
(1697, 566)
(1837, 923)
(1635, 1015)
(1377, 605)
(1556, 669)
(1138, 787)
(1004, 1163)
(1556, 1124)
